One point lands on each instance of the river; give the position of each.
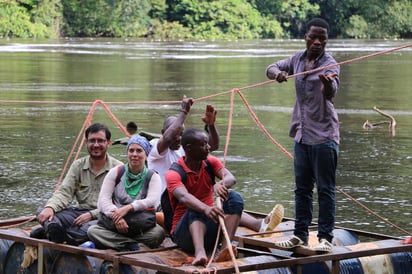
(47, 89)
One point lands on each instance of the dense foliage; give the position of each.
(199, 19)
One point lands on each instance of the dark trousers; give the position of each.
(315, 164)
(182, 236)
(65, 219)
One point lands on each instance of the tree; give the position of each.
(397, 22)
(235, 19)
(48, 13)
(27, 19)
(293, 15)
(124, 18)
(357, 27)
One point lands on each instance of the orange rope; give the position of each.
(114, 118)
(312, 71)
(253, 115)
(229, 124)
(85, 124)
(88, 103)
(373, 213)
(329, 66)
(225, 92)
(262, 127)
(351, 60)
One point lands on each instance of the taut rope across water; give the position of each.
(79, 140)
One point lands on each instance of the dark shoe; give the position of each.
(56, 233)
(38, 233)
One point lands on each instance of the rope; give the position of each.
(229, 125)
(262, 127)
(310, 71)
(88, 103)
(114, 118)
(227, 238)
(224, 92)
(79, 137)
(212, 256)
(87, 123)
(238, 91)
(372, 212)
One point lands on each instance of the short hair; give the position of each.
(190, 135)
(96, 127)
(131, 127)
(317, 22)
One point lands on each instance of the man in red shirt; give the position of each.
(196, 217)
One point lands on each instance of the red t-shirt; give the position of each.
(198, 184)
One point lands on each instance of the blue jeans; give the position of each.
(315, 164)
(181, 235)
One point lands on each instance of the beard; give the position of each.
(97, 154)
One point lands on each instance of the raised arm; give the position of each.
(209, 119)
(173, 126)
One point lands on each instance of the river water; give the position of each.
(47, 89)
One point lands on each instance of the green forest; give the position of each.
(197, 19)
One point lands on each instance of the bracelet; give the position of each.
(184, 111)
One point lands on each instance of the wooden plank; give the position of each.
(16, 221)
(359, 232)
(173, 260)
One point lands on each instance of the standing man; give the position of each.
(196, 218)
(63, 223)
(315, 129)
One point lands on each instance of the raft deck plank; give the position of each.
(260, 255)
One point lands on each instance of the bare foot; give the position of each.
(200, 261)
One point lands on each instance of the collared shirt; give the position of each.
(198, 184)
(81, 185)
(314, 118)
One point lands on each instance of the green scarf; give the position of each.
(133, 183)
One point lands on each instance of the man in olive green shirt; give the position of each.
(63, 221)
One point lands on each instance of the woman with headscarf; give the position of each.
(127, 202)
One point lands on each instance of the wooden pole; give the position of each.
(227, 238)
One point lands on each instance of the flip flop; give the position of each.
(275, 218)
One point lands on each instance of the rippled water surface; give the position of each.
(47, 89)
